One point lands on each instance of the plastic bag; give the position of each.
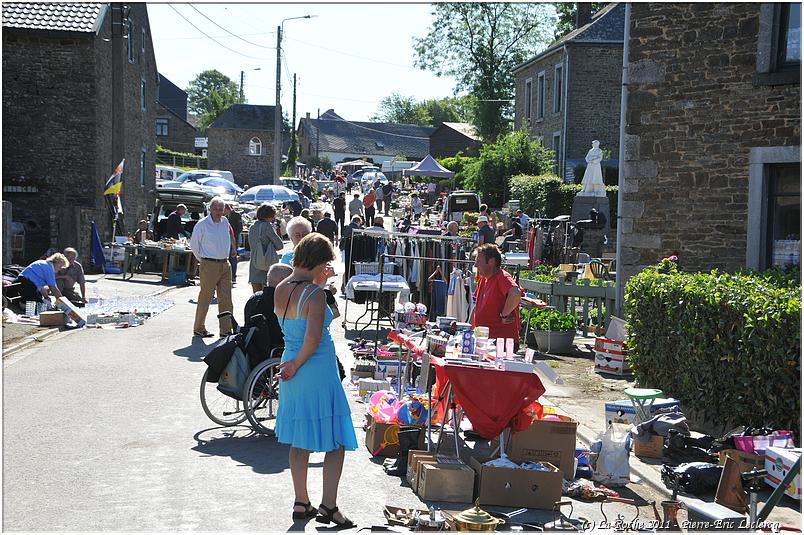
(613, 468)
(693, 478)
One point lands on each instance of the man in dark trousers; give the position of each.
(388, 191)
(327, 227)
(339, 206)
(173, 226)
(236, 220)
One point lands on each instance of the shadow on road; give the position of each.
(196, 351)
(263, 454)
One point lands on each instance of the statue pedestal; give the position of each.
(582, 205)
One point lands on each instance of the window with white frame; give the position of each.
(255, 147)
(540, 95)
(528, 99)
(558, 88)
(161, 127)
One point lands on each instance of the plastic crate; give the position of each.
(177, 278)
(373, 268)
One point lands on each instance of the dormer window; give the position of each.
(379, 144)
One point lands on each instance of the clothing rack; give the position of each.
(386, 234)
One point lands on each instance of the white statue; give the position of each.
(592, 182)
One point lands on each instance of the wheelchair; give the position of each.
(259, 399)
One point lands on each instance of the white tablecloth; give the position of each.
(371, 283)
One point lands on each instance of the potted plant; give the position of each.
(553, 331)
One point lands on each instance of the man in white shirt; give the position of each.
(212, 244)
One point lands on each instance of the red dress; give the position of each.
(490, 296)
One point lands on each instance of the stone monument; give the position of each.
(593, 194)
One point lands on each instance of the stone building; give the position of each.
(333, 137)
(79, 95)
(569, 95)
(713, 136)
(449, 139)
(172, 129)
(241, 140)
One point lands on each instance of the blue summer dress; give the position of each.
(313, 410)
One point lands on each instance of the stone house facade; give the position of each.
(333, 137)
(241, 140)
(569, 95)
(713, 136)
(451, 138)
(66, 68)
(172, 129)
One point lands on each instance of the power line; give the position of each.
(354, 55)
(227, 31)
(379, 131)
(211, 38)
(216, 37)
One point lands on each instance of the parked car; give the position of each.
(358, 175)
(459, 202)
(225, 174)
(166, 201)
(292, 183)
(167, 173)
(371, 178)
(188, 176)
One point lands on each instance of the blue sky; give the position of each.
(347, 58)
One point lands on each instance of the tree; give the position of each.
(480, 44)
(210, 94)
(430, 112)
(566, 12)
(400, 109)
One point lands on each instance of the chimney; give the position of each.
(583, 14)
(308, 115)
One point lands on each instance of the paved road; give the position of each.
(103, 431)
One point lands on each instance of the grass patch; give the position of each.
(553, 364)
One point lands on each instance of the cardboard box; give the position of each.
(611, 363)
(446, 483)
(547, 440)
(745, 461)
(651, 447)
(779, 461)
(383, 439)
(52, 318)
(414, 458)
(372, 385)
(386, 368)
(73, 312)
(622, 411)
(517, 487)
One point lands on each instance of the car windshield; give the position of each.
(192, 175)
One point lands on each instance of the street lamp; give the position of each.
(242, 73)
(278, 108)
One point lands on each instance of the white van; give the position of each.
(225, 174)
(459, 202)
(164, 172)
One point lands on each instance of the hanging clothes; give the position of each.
(457, 305)
(438, 299)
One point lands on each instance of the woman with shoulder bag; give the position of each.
(264, 243)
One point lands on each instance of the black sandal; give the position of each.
(309, 511)
(329, 517)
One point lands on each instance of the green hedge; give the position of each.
(552, 197)
(727, 345)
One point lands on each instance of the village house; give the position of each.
(330, 136)
(79, 95)
(712, 167)
(173, 131)
(569, 94)
(449, 139)
(241, 140)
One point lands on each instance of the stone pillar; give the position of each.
(7, 237)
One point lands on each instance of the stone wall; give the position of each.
(229, 151)
(181, 134)
(693, 116)
(594, 99)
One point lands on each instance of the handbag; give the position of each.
(233, 377)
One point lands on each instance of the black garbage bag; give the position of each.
(679, 448)
(693, 478)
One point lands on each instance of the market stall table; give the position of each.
(376, 285)
(132, 250)
(491, 399)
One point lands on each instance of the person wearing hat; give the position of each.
(485, 233)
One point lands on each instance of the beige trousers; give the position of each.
(214, 276)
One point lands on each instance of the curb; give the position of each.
(40, 337)
(647, 474)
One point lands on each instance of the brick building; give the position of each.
(569, 95)
(172, 129)
(241, 140)
(713, 136)
(449, 139)
(79, 95)
(333, 137)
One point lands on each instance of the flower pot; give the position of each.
(557, 342)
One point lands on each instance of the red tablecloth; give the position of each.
(492, 399)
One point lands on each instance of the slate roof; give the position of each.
(606, 27)
(466, 129)
(73, 17)
(246, 117)
(357, 137)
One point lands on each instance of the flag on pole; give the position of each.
(96, 251)
(115, 182)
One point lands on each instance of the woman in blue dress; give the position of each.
(313, 412)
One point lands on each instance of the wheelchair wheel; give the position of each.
(221, 409)
(261, 397)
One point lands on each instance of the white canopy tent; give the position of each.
(428, 167)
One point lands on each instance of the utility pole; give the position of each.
(241, 85)
(278, 110)
(317, 133)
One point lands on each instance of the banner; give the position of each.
(112, 195)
